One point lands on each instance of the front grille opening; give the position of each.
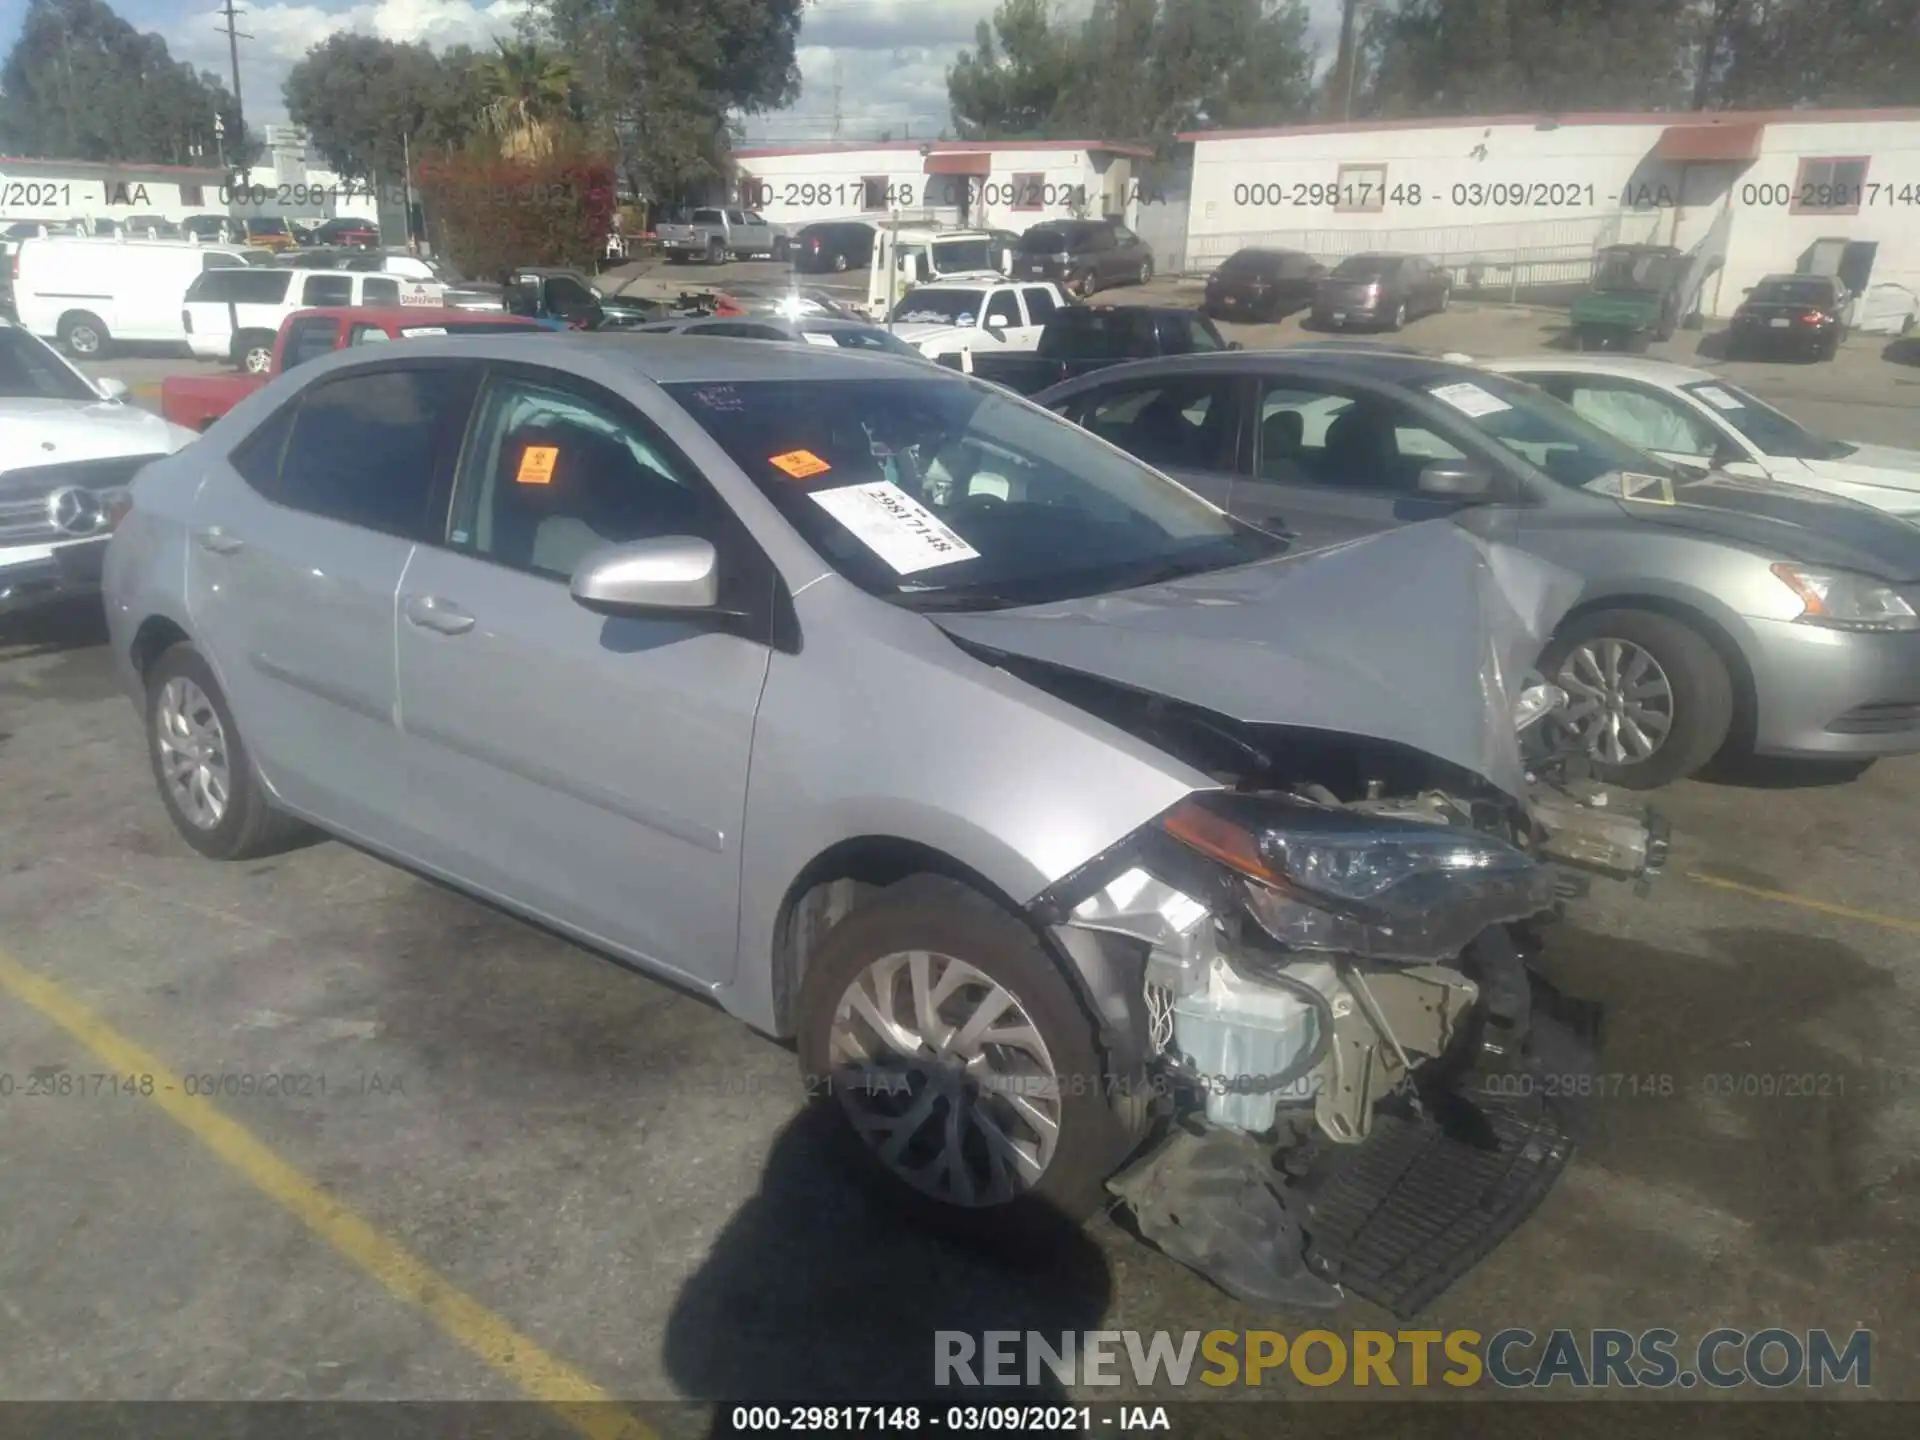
(1881, 717)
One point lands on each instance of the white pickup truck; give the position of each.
(953, 319)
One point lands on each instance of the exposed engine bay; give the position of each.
(1332, 952)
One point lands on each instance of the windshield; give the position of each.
(30, 371)
(861, 338)
(1544, 432)
(943, 493)
(952, 257)
(1793, 292)
(1770, 432)
(1365, 267)
(939, 307)
(1046, 240)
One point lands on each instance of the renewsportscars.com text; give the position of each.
(1722, 1359)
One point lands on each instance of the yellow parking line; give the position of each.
(570, 1394)
(1781, 897)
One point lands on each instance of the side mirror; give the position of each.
(111, 389)
(674, 573)
(1727, 455)
(996, 322)
(1455, 480)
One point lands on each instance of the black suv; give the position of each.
(1083, 255)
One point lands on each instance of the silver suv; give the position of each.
(1035, 798)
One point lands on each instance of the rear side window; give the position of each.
(706, 217)
(364, 447)
(309, 340)
(327, 290)
(378, 290)
(257, 457)
(241, 285)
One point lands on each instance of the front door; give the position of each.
(298, 544)
(1186, 426)
(590, 769)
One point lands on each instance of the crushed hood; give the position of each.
(1420, 636)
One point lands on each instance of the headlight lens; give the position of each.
(1842, 601)
(1387, 889)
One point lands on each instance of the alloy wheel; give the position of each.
(1620, 702)
(947, 1079)
(258, 360)
(193, 753)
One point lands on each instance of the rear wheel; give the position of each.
(1648, 698)
(1399, 319)
(1085, 286)
(839, 263)
(84, 335)
(961, 1061)
(253, 351)
(1146, 272)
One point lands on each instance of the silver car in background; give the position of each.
(1035, 798)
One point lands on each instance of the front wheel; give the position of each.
(1648, 698)
(84, 336)
(253, 351)
(1146, 272)
(1086, 286)
(207, 779)
(961, 1062)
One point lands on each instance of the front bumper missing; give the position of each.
(60, 572)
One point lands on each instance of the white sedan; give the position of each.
(68, 449)
(1695, 418)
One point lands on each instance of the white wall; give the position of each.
(827, 185)
(1537, 201)
(50, 192)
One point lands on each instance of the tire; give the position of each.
(1700, 704)
(253, 351)
(1146, 272)
(248, 826)
(1446, 299)
(839, 262)
(1086, 286)
(1399, 320)
(949, 922)
(84, 335)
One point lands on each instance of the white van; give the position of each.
(87, 293)
(235, 315)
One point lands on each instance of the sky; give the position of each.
(887, 58)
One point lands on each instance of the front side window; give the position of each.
(566, 295)
(554, 474)
(1039, 302)
(945, 493)
(309, 340)
(364, 447)
(1003, 308)
(1344, 439)
(327, 290)
(1172, 424)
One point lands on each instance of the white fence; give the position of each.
(1509, 255)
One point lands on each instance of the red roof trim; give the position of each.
(1115, 147)
(114, 167)
(1604, 117)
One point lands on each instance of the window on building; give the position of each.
(190, 195)
(1830, 186)
(873, 192)
(1029, 191)
(1361, 189)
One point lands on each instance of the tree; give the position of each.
(1134, 68)
(364, 101)
(529, 94)
(1757, 54)
(661, 78)
(82, 84)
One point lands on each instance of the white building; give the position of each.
(1520, 201)
(54, 190)
(1007, 185)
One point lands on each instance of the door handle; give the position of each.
(430, 612)
(219, 541)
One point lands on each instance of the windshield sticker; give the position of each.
(1718, 398)
(826, 340)
(895, 526)
(1625, 485)
(720, 397)
(1469, 399)
(536, 464)
(800, 464)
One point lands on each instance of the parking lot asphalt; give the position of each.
(448, 1156)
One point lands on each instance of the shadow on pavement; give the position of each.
(821, 1292)
(68, 625)
(1765, 772)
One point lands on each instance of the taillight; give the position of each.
(1815, 317)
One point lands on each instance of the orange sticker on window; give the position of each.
(800, 464)
(536, 464)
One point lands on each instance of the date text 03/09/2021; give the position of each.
(896, 1420)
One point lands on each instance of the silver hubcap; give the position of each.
(1620, 702)
(83, 340)
(259, 361)
(946, 1077)
(193, 753)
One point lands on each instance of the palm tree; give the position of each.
(528, 92)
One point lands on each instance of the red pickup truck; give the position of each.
(196, 401)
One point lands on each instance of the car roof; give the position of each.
(415, 315)
(1634, 367)
(668, 359)
(1385, 367)
(1793, 277)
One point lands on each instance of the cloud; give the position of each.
(888, 59)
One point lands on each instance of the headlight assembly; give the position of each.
(1838, 600)
(1368, 885)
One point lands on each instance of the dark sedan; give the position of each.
(1083, 255)
(347, 232)
(836, 245)
(1786, 621)
(1256, 285)
(1793, 314)
(1380, 291)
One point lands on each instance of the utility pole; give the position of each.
(234, 37)
(1344, 65)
